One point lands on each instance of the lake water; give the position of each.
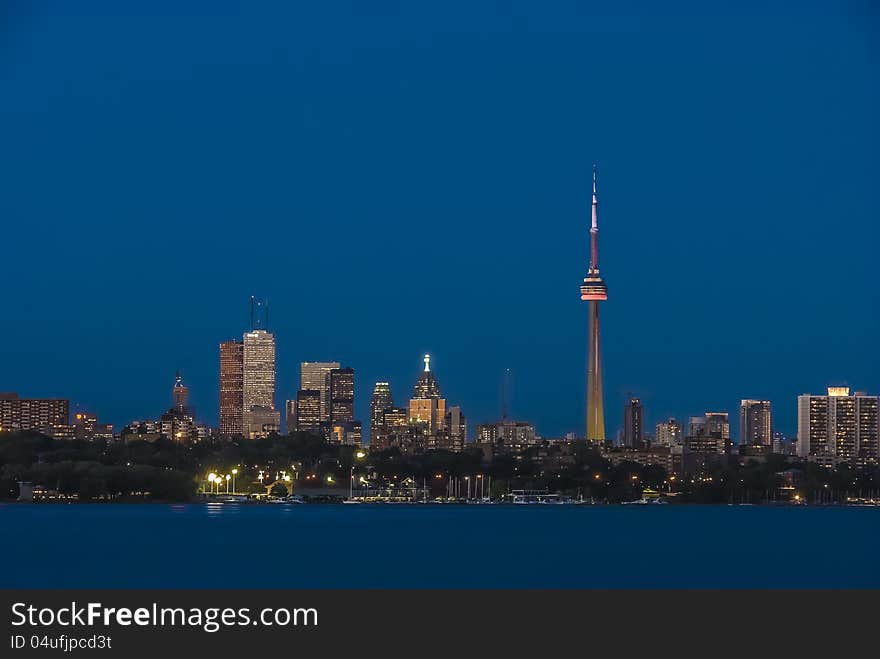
(437, 546)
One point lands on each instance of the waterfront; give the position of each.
(450, 546)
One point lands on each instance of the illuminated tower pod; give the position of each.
(593, 291)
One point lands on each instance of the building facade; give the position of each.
(839, 426)
(341, 395)
(755, 423)
(308, 411)
(42, 414)
(231, 389)
(380, 401)
(315, 376)
(633, 423)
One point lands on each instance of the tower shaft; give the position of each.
(595, 408)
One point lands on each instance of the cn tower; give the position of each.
(593, 291)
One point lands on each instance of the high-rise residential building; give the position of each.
(379, 402)
(710, 432)
(290, 416)
(341, 395)
(594, 291)
(508, 435)
(308, 411)
(839, 426)
(231, 389)
(315, 376)
(43, 414)
(755, 423)
(633, 423)
(669, 433)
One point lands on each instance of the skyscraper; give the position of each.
(231, 388)
(633, 423)
(755, 425)
(380, 401)
(33, 413)
(594, 291)
(840, 426)
(290, 416)
(258, 394)
(315, 376)
(308, 411)
(180, 394)
(341, 395)
(427, 406)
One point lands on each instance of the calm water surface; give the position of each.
(437, 546)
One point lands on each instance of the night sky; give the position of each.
(402, 178)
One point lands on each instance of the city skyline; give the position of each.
(391, 203)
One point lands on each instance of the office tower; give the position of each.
(427, 407)
(669, 433)
(308, 411)
(755, 425)
(231, 389)
(594, 291)
(180, 394)
(315, 376)
(839, 426)
(341, 395)
(633, 423)
(379, 402)
(346, 432)
(259, 370)
(290, 416)
(43, 414)
(261, 422)
(456, 425)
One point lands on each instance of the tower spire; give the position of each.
(594, 229)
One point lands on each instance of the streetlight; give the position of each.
(359, 456)
(234, 472)
(227, 483)
(211, 478)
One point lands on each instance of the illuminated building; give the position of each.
(709, 433)
(839, 426)
(315, 376)
(290, 416)
(43, 414)
(380, 401)
(594, 291)
(456, 426)
(341, 395)
(178, 423)
(180, 394)
(633, 423)
(231, 389)
(755, 423)
(308, 411)
(668, 433)
(261, 422)
(258, 387)
(346, 432)
(427, 406)
(509, 435)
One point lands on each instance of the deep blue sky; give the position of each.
(408, 177)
